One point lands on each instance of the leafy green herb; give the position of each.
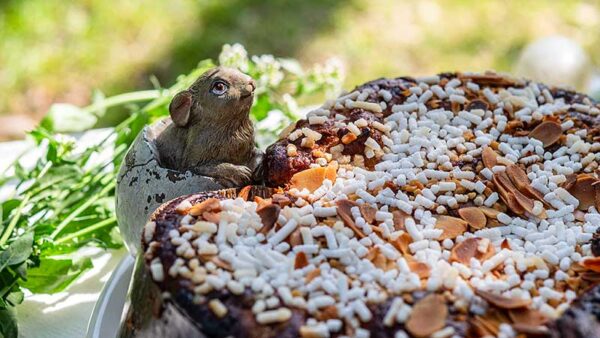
(65, 200)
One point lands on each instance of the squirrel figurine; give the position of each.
(211, 133)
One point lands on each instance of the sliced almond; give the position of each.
(399, 218)
(221, 263)
(287, 130)
(505, 244)
(401, 243)
(527, 316)
(531, 330)
(428, 316)
(507, 192)
(591, 263)
(209, 204)
(584, 190)
(464, 251)
(548, 132)
(213, 217)
(451, 226)
(597, 186)
(295, 238)
(281, 200)
(568, 184)
(344, 211)
(489, 157)
(368, 212)
(312, 178)
(421, 269)
(474, 216)
(312, 274)
(479, 328)
(380, 261)
(591, 276)
(483, 256)
(245, 193)
(328, 312)
(300, 261)
(519, 178)
(503, 302)
(268, 216)
(508, 198)
(490, 212)
(490, 323)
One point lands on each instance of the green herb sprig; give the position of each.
(65, 200)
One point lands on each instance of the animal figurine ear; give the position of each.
(180, 108)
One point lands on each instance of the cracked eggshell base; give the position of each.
(143, 185)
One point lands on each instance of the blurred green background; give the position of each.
(59, 51)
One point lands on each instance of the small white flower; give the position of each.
(234, 56)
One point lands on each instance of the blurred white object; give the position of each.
(593, 85)
(554, 60)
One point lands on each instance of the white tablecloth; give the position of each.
(66, 314)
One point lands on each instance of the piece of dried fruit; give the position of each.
(452, 226)
(591, 263)
(474, 216)
(344, 211)
(349, 138)
(209, 204)
(489, 157)
(368, 212)
(300, 261)
(268, 216)
(428, 316)
(312, 178)
(503, 302)
(548, 132)
(464, 251)
(585, 191)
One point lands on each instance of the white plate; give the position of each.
(108, 311)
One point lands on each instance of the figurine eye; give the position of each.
(219, 88)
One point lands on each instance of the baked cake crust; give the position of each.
(457, 204)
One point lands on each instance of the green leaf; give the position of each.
(17, 251)
(261, 107)
(16, 297)
(67, 118)
(8, 323)
(54, 275)
(97, 98)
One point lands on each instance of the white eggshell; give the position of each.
(143, 185)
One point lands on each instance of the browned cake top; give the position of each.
(455, 204)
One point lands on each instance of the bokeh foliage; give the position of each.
(53, 50)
